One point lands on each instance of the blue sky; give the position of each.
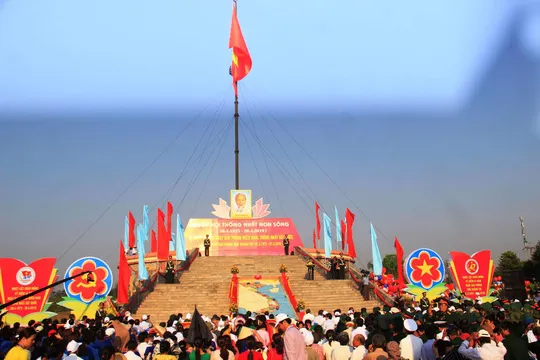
(424, 114)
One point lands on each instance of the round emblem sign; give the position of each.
(424, 268)
(94, 285)
(26, 276)
(471, 266)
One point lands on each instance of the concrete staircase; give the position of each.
(206, 284)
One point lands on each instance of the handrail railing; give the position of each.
(147, 286)
(321, 266)
(233, 291)
(284, 280)
(357, 278)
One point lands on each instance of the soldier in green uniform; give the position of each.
(207, 244)
(311, 270)
(286, 244)
(169, 275)
(424, 302)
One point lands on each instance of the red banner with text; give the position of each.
(242, 237)
(18, 279)
(472, 274)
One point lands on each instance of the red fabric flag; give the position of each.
(169, 221)
(399, 258)
(163, 242)
(318, 220)
(349, 216)
(343, 232)
(153, 244)
(132, 222)
(124, 275)
(241, 60)
(314, 239)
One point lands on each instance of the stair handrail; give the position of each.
(147, 286)
(233, 293)
(356, 276)
(319, 265)
(284, 280)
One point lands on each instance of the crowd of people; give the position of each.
(427, 330)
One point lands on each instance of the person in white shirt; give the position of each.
(482, 348)
(360, 350)
(308, 316)
(343, 351)
(130, 354)
(359, 330)
(144, 325)
(72, 348)
(145, 341)
(328, 324)
(411, 345)
(330, 344)
(319, 319)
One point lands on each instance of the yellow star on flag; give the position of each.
(426, 268)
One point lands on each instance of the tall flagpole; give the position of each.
(236, 147)
(236, 150)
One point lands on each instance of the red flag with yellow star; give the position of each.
(241, 60)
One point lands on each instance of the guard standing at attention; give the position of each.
(341, 266)
(169, 275)
(310, 270)
(207, 244)
(286, 245)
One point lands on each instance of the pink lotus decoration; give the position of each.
(222, 210)
(260, 209)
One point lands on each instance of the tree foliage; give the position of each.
(509, 261)
(390, 263)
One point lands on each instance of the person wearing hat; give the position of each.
(169, 275)
(207, 244)
(411, 345)
(72, 348)
(293, 341)
(482, 348)
(311, 270)
(424, 302)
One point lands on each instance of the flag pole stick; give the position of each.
(236, 149)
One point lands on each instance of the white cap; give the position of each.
(418, 309)
(483, 333)
(280, 318)
(72, 346)
(144, 317)
(394, 310)
(188, 316)
(106, 320)
(410, 325)
(308, 338)
(337, 313)
(127, 313)
(109, 332)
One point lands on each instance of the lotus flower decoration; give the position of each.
(222, 210)
(260, 209)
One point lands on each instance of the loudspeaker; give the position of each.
(514, 284)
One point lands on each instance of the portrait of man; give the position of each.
(241, 204)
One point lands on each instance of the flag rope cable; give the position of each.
(284, 151)
(223, 140)
(184, 171)
(264, 193)
(211, 141)
(138, 177)
(320, 167)
(223, 132)
(283, 171)
(272, 181)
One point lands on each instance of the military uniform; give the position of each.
(207, 247)
(341, 266)
(169, 276)
(286, 244)
(311, 270)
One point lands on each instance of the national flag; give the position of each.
(153, 244)
(241, 60)
(169, 221)
(343, 233)
(314, 239)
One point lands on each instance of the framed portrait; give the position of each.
(241, 204)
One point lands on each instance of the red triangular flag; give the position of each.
(169, 221)
(350, 241)
(163, 242)
(318, 220)
(124, 275)
(241, 60)
(314, 239)
(153, 244)
(399, 258)
(343, 233)
(132, 223)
